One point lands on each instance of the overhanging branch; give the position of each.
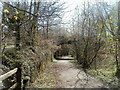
(21, 9)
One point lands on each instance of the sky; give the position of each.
(0, 13)
(71, 5)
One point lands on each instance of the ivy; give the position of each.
(10, 59)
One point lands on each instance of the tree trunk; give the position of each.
(17, 43)
(35, 20)
(118, 37)
(47, 29)
(0, 36)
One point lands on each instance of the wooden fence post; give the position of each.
(18, 77)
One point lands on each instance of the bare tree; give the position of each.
(0, 34)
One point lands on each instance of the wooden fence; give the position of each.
(16, 71)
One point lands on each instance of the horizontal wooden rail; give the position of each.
(8, 74)
(13, 86)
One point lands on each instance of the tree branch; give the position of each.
(21, 9)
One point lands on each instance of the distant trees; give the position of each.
(51, 15)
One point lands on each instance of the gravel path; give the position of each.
(71, 77)
(64, 74)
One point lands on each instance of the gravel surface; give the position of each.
(64, 74)
(71, 77)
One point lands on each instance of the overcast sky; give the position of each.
(71, 4)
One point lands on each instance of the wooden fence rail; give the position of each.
(16, 71)
(8, 74)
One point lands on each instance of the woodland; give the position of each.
(34, 36)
